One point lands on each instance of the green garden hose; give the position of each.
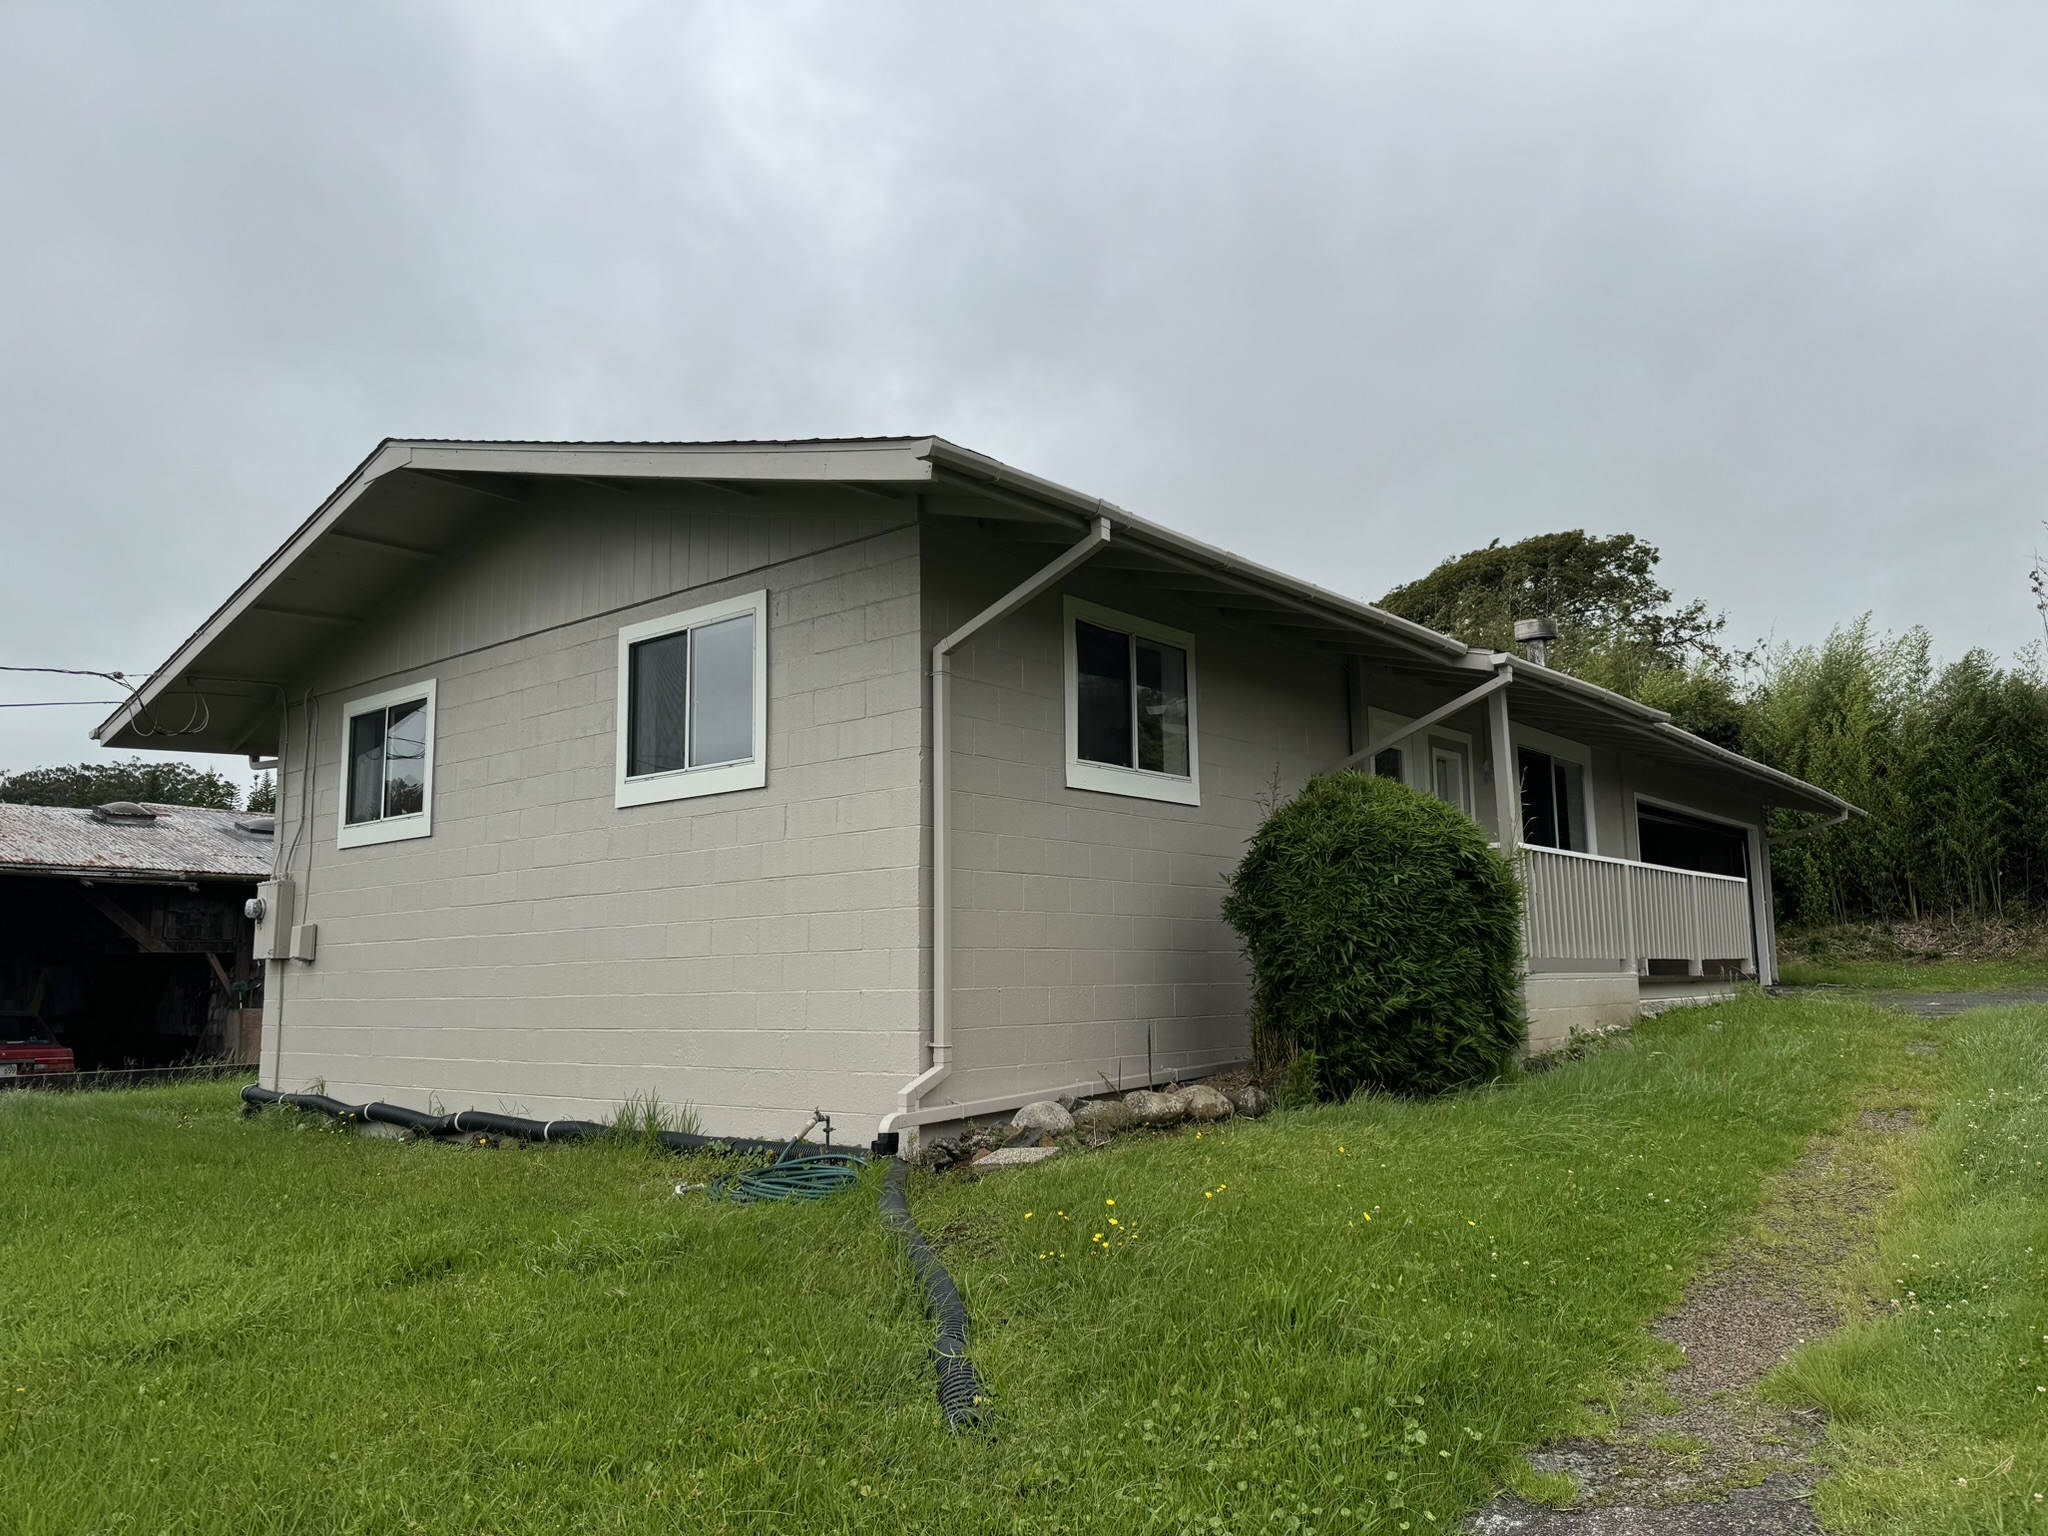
(811, 1177)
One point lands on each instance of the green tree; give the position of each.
(1950, 763)
(1617, 625)
(263, 795)
(134, 779)
(1603, 592)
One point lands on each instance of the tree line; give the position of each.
(135, 779)
(1949, 761)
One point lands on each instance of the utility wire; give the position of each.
(145, 722)
(112, 677)
(59, 703)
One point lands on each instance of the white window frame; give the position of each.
(1419, 752)
(386, 829)
(1109, 778)
(1572, 752)
(687, 783)
(1462, 761)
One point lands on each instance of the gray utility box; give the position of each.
(272, 910)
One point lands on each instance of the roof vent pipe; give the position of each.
(1534, 636)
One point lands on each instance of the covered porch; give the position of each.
(1642, 847)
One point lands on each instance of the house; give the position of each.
(122, 930)
(873, 775)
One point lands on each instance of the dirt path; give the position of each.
(1928, 1005)
(1700, 1452)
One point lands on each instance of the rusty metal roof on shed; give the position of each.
(182, 842)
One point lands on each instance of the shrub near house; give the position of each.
(1384, 937)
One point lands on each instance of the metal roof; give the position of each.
(413, 501)
(182, 842)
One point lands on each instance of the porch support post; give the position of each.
(1507, 782)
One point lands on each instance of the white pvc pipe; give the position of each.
(941, 1042)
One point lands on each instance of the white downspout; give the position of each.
(909, 1095)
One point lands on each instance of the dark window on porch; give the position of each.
(1679, 841)
(1553, 802)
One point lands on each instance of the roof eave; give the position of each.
(381, 460)
(997, 475)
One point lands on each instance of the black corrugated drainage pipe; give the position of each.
(960, 1393)
(465, 1121)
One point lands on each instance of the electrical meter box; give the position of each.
(272, 910)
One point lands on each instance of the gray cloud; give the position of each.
(1344, 288)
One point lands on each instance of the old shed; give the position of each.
(122, 929)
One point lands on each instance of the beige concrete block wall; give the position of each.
(1087, 923)
(545, 952)
(1588, 1003)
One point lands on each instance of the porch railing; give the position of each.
(1585, 911)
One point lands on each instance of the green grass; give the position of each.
(211, 1323)
(2015, 975)
(1939, 1417)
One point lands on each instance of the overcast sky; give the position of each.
(1344, 288)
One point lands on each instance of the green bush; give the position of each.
(1384, 937)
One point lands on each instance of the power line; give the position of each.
(144, 723)
(60, 703)
(112, 677)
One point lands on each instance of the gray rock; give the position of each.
(1156, 1108)
(1012, 1157)
(1044, 1118)
(1206, 1103)
(1250, 1100)
(1104, 1117)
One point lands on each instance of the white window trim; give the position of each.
(386, 829)
(687, 783)
(1463, 760)
(1572, 752)
(1418, 751)
(1108, 778)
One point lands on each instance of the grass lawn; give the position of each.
(1939, 1400)
(217, 1323)
(2013, 975)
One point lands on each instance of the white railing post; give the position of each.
(1696, 961)
(1634, 957)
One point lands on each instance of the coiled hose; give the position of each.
(960, 1391)
(811, 1177)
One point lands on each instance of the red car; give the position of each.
(29, 1050)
